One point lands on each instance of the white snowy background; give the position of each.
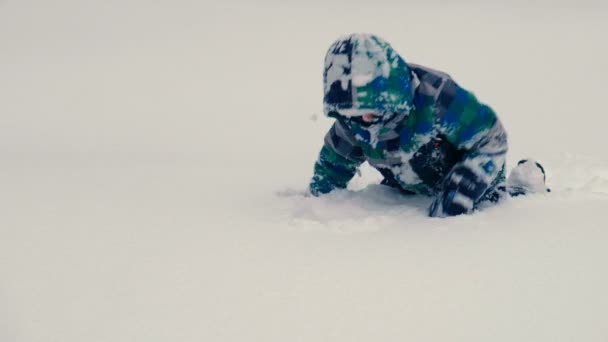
(153, 156)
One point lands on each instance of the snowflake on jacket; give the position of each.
(433, 137)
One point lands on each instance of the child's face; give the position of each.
(367, 118)
(370, 117)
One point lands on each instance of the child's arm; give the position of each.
(475, 129)
(337, 162)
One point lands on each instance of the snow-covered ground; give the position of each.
(153, 157)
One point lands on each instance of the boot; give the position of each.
(528, 177)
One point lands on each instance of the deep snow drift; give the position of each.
(155, 159)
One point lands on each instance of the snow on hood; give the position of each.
(364, 74)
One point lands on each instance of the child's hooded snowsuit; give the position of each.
(433, 137)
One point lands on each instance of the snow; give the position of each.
(155, 156)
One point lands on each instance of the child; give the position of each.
(421, 130)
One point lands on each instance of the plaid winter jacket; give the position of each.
(434, 137)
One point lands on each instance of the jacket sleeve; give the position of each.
(338, 161)
(474, 129)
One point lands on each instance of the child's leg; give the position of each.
(495, 193)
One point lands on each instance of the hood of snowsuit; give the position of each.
(364, 74)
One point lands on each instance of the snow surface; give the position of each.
(154, 156)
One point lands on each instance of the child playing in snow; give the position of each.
(419, 128)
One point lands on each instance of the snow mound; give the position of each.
(366, 210)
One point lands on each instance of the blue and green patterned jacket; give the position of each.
(433, 137)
